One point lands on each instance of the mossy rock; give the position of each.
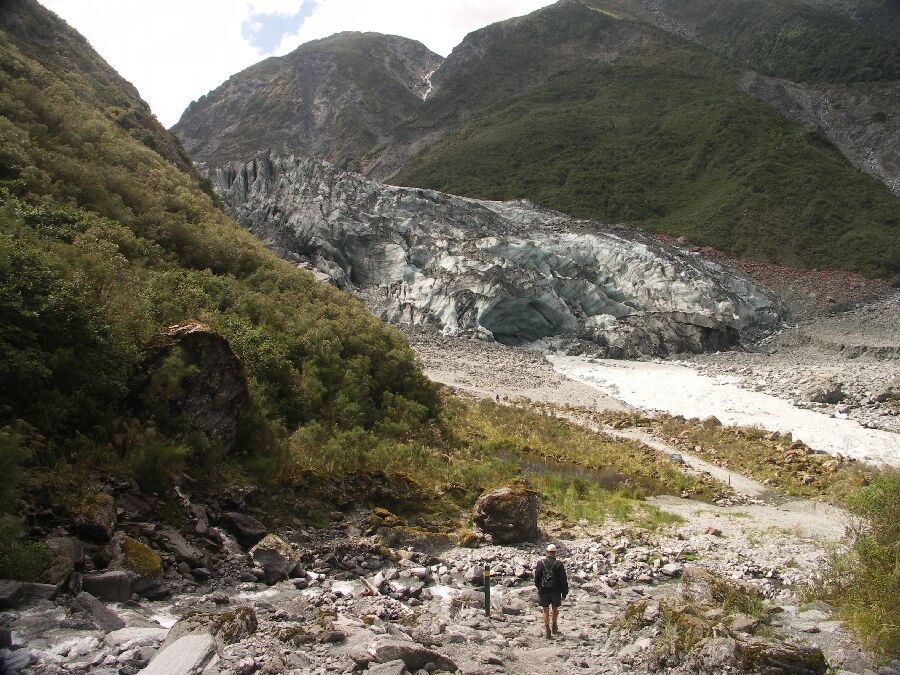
(140, 558)
(95, 517)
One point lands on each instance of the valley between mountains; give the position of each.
(281, 384)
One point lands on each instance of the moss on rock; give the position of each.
(140, 558)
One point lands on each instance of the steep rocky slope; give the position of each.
(339, 98)
(505, 270)
(619, 110)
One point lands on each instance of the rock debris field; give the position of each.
(350, 604)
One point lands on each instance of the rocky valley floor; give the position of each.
(718, 591)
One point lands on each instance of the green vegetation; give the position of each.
(475, 445)
(107, 238)
(799, 40)
(673, 148)
(864, 581)
(20, 558)
(785, 464)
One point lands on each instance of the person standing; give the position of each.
(553, 587)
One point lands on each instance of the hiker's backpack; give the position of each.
(548, 579)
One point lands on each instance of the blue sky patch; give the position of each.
(264, 32)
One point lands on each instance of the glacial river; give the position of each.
(680, 390)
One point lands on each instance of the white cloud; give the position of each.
(174, 51)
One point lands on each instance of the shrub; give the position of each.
(21, 559)
(863, 582)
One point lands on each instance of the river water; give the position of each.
(680, 390)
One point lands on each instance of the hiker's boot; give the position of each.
(555, 629)
(547, 629)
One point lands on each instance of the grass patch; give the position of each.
(777, 460)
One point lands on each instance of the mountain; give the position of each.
(338, 98)
(116, 268)
(505, 271)
(652, 114)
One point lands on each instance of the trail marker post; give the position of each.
(487, 590)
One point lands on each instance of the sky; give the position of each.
(174, 51)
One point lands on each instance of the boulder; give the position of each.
(768, 658)
(225, 627)
(246, 529)
(509, 514)
(113, 586)
(95, 518)
(59, 571)
(69, 547)
(189, 655)
(134, 508)
(396, 667)
(213, 390)
(18, 593)
(889, 393)
(276, 558)
(824, 391)
(415, 656)
(100, 613)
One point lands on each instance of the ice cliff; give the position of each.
(503, 270)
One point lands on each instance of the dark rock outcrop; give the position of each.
(213, 389)
(509, 514)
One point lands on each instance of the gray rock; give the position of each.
(18, 593)
(13, 661)
(825, 391)
(276, 558)
(179, 547)
(110, 586)
(189, 655)
(69, 547)
(509, 514)
(246, 529)
(102, 615)
(506, 271)
(414, 655)
(395, 667)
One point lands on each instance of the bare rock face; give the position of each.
(509, 514)
(214, 388)
(507, 271)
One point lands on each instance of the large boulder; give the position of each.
(386, 649)
(113, 586)
(768, 658)
(95, 518)
(276, 557)
(509, 514)
(246, 529)
(18, 593)
(213, 388)
(824, 391)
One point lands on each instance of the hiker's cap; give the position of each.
(551, 548)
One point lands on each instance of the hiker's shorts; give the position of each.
(547, 599)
